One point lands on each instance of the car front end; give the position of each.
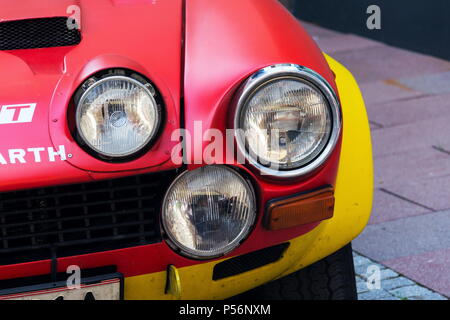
(172, 150)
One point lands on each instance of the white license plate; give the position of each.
(103, 290)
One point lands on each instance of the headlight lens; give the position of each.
(117, 116)
(288, 122)
(287, 116)
(209, 211)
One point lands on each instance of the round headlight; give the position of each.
(117, 116)
(208, 212)
(289, 120)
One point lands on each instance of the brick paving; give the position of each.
(407, 97)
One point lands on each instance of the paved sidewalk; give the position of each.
(392, 286)
(407, 97)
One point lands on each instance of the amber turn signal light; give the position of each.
(302, 209)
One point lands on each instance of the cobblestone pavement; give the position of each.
(407, 98)
(393, 286)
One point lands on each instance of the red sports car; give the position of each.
(182, 149)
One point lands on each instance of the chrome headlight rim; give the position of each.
(140, 81)
(277, 72)
(182, 250)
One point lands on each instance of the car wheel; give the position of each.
(332, 278)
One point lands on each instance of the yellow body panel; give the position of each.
(354, 192)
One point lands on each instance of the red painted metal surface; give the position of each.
(135, 35)
(225, 42)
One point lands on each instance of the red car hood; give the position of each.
(37, 86)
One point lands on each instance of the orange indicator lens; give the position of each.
(303, 209)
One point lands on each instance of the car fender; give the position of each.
(354, 185)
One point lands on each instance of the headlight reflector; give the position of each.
(117, 116)
(289, 120)
(209, 211)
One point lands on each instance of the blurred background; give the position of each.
(398, 52)
(418, 25)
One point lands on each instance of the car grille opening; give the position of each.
(69, 220)
(38, 33)
(249, 261)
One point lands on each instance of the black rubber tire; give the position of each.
(332, 278)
